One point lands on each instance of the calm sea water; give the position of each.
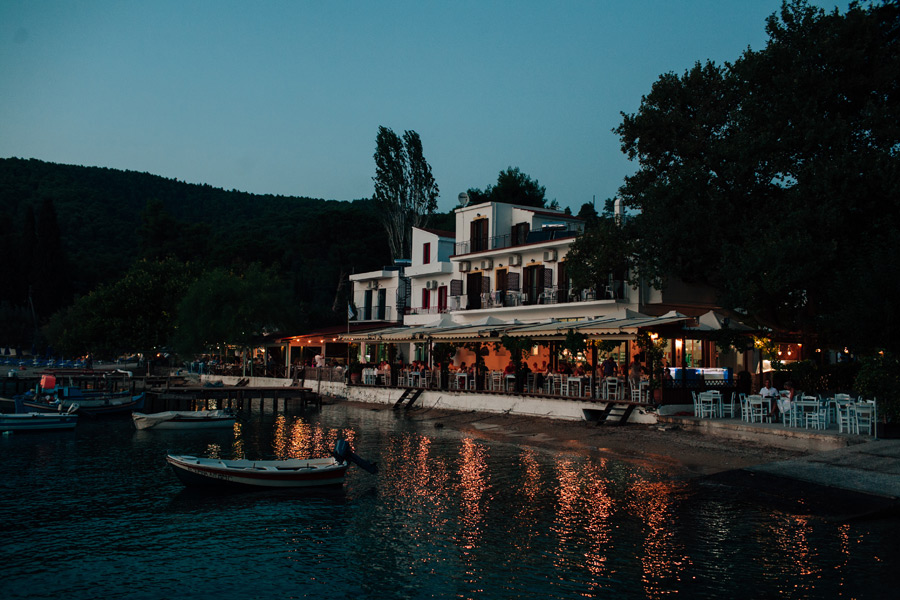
(96, 513)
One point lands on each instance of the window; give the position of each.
(442, 299)
(426, 253)
(426, 299)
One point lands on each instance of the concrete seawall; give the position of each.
(466, 401)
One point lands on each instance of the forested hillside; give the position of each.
(65, 230)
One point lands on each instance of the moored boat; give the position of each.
(91, 405)
(188, 419)
(38, 421)
(291, 473)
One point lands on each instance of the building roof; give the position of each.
(439, 232)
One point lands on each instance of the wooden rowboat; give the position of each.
(186, 419)
(294, 473)
(271, 474)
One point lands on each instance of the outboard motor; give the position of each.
(342, 452)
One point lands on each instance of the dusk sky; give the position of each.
(286, 97)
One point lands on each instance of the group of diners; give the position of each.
(567, 378)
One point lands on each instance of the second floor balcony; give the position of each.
(500, 242)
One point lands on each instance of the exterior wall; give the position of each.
(429, 277)
(569, 410)
(370, 284)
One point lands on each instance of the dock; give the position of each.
(175, 392)
(238, 398)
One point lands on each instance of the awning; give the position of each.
(713, 321)
(622, 325)
(490, 331)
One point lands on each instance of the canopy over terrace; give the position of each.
(330, 342)
(623, 325)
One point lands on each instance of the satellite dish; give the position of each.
(463, 199)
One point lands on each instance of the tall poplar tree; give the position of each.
(405, 190)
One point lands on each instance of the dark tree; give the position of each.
(49, 276)
(513, 187)
(777, 178)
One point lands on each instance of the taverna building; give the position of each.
(504, 272)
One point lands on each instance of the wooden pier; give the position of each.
(238, 398)
(174, 392)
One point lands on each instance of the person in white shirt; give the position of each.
(768, 391)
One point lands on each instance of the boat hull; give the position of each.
(36, 421)
(199, 419)
(193, 471)
(92, 406)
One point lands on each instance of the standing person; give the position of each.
(634, 373)
(608, 367)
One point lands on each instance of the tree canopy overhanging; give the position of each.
(776, 178)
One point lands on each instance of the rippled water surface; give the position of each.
(96, 513)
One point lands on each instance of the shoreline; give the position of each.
(685, 454)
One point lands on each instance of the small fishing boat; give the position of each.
(93, 405)
(47, 397)
(291, 473)
(185, 419)
(38, 421)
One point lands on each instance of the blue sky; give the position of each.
(286, 97)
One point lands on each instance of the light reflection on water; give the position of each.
(449, 515)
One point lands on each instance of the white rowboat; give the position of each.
(190, 419)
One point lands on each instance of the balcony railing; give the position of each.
(432, 310)
(375, 313)
(499, 242)
(544, 296)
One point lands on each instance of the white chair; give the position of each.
(716, 396)
(846, 417)
(758, 412)
(610, 388)
(745, 407)
(818, 418)
(708, 405)
(865, 417)
(728, 406)
(635, 393)
(496, 381)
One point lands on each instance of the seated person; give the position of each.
(783, 403)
